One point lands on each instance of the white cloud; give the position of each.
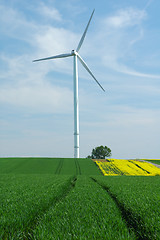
(119, 36)
(130, 132)
(49, 12)
(38, 99)
(126, 17)
(26, 84)
(15, 25)
(129, 116)
(113, 62)
(52, 40)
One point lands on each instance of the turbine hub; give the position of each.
(74, 52)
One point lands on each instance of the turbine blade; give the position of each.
(87, 68)
(84, 34)
(57, 56)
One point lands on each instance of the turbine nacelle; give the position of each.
(73, 52)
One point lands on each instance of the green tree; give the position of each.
(100, 152)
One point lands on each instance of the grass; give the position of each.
(153, 161)
(139, 200)
(24, 197)
(87, 212)
(59, 198)
(60, 166)
(28, 165)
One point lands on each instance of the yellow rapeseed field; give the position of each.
(116, 167)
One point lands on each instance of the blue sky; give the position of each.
(36, 99)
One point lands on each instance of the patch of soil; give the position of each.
(100, 160)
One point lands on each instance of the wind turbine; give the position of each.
(75, 55)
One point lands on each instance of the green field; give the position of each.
(58, 166)
(153, 161)
(49, 198)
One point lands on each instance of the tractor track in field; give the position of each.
(78, 169)
(28, 234)
(59, 167)
(156, 165)
(132, 220)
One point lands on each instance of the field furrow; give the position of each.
(88, 212)
(59, 167)
(138, 200)
(25, 199)
(78, 169)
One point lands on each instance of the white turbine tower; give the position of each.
(76, 55)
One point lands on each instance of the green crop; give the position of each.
(58, 166)
(138, 198)
(153, 161)
(29, 165)
(24, 198)
(87, 212)
(61, 198)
